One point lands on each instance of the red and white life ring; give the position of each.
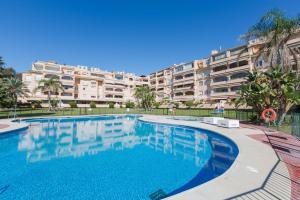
(268, 115)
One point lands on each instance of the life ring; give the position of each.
(268, 115)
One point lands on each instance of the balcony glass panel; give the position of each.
(220, 68)
(219, 90)
(220, 79)
(238, 75)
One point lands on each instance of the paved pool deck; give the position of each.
(8, 125)
(267, 166)
(257, 173)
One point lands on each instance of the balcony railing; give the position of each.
(228, 71)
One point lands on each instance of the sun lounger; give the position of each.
(212, 120)
(229, 123)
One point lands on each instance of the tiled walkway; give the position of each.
(3, 126)
(287, 149)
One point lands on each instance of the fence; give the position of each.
(243, 115)
(291, 125)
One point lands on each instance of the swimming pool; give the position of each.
(108, 157)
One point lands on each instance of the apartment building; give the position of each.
(229, 68)
(216, 78)
(213, 79)
(83, 84)
(161, 84)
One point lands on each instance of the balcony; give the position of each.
(229, 82)
(230, 71)
(223, 94)
(184, 98)
(184, 71)
(183, 81)
(232, 57)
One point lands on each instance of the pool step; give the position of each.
(157, 195)
(3, 189)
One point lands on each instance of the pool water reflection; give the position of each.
(108, 157)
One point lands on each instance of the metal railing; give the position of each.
(291, 125)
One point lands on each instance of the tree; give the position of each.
(129, 104)
(92, 104)
(73, 104)
(156, 104)
(275, 29)
(277, 87)
(274, 88)
(145, 96)
(2, 63)
(189, 104)
(14, 89)
(6, 72)
(50, 86)
(111, 104)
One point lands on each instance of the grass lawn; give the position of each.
(243, 115)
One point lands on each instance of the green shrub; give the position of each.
(189, 104)
(156, 104)
(176, 105)
(93, 104)
(129, 104)
(73, 104)
(36, 104)
(111, 104)
(54, 103)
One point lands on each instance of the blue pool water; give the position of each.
(108, 157)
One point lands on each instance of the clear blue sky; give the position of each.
(136, 36)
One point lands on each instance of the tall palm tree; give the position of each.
(275, 29)
(145, 96)
(15, 89)
(50, 86)
(4, 71)
(2, 63)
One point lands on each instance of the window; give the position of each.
(189, 75)
(178, 77)
(188, 93)
(220, 56)
(52, 68)
(66, 87)
(179, 94)
(220, 68)
(238, 75)
(220, 79)
(51, 76)
(178, 69)
(38, 67)
(119, 77)
(98, 75)
(67, 94)
(67, 78)
(219, 90)
(235, 88)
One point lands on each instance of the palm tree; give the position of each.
(2, 63)
(145, 96)
(6, 72)
(15, 88)
(50, 86)
(274, 88)
(275, 29)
